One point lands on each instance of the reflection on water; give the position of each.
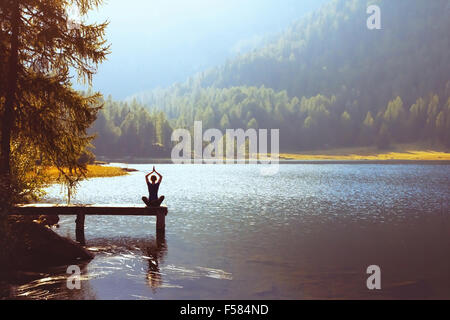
(155, 255)
(128, 258)
(309, 232)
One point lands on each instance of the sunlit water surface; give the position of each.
(310, 231)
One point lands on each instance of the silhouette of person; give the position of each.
(153, 187)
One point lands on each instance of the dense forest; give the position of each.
(131, 130)
(326, 82)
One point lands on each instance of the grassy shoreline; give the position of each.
(94, 171)
(398, 152)
(407, 152)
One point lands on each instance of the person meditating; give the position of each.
(153, 187)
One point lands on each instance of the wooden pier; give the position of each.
(80, 211)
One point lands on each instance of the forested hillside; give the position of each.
(329, 81)
(125, 129)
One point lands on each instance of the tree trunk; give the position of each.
(11, 89)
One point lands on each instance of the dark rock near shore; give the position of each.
(31, 246)
(48, 220)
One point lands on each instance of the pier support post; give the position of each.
(161, 221)
(79, 231)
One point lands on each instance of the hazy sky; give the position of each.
(158, 42)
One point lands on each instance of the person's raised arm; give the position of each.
(148, 175)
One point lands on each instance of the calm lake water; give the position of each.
(309, 232)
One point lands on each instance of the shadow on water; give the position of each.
(131, 260)
(48, 284)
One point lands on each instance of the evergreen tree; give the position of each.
(40, 110)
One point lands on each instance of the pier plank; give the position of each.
(99, 210)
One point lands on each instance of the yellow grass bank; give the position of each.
(94, 171)
(397, 152)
